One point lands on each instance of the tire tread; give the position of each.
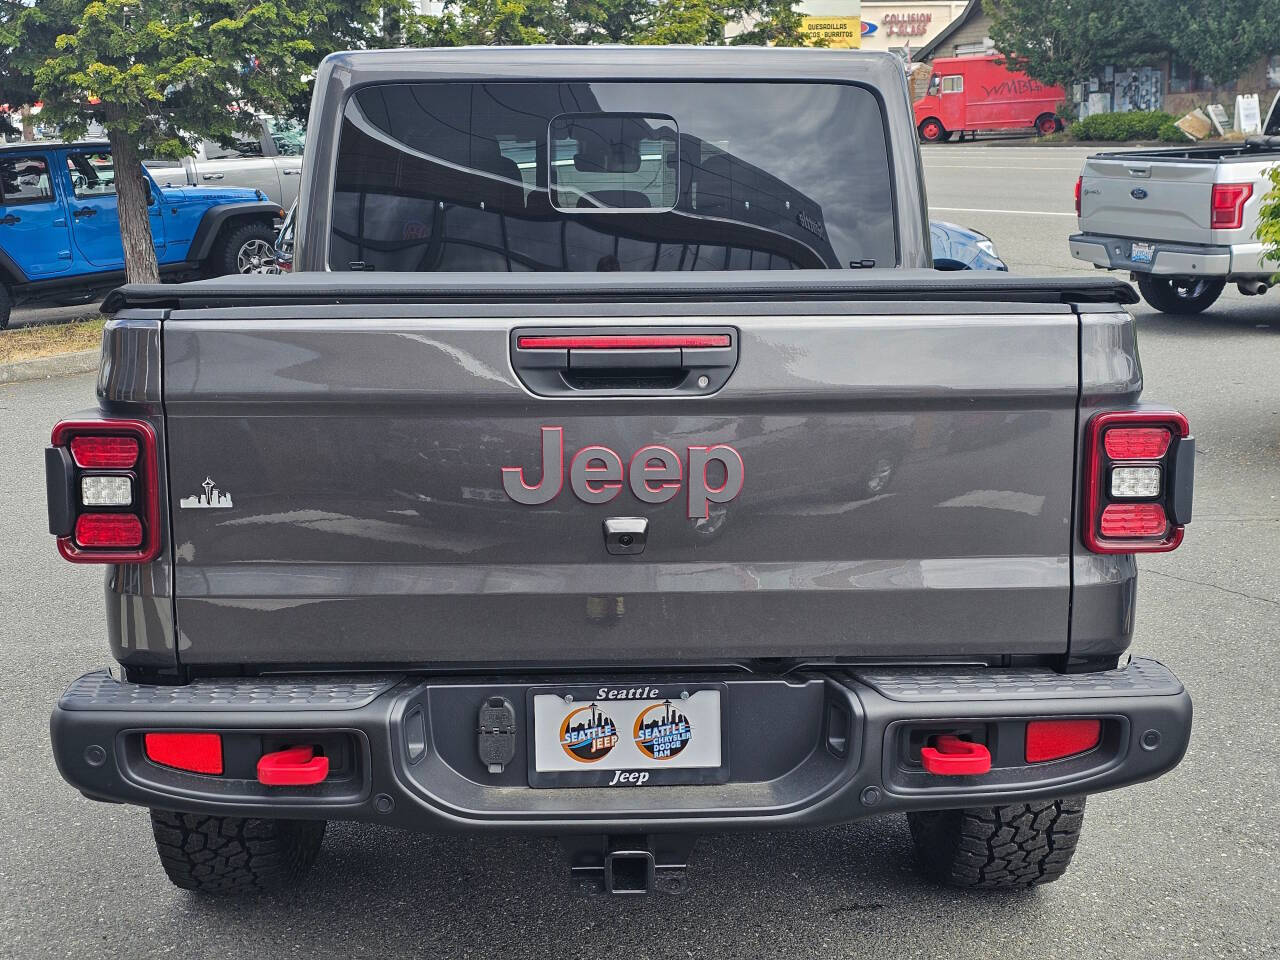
(988, 848)
(234, 854)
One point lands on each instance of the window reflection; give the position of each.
(657, 176)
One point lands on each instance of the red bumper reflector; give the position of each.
(1133, 520)
(108, 530)
(110, 453)
(292, 767)
(953, 757)
(196, 752)
(1137, 443)
(1055, 739)
(634, 342)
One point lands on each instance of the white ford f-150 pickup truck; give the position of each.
(1183, 221)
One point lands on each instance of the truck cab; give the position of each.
(60, 227)
(967, 94)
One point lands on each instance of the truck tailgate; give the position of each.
(907, 487)
(1147, 199)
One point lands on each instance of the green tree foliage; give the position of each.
(1063, 41)
(521, 22)
(1269, 219)
(1222, 38)
(27, 31)
(160, 74)
(1066, 41)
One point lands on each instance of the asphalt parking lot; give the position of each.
(1187, 866)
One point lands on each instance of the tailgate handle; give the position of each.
(629, 362)
(1139, 171)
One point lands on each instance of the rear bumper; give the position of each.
(813, 749)
(1238, 261)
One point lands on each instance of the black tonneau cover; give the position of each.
(877, 285)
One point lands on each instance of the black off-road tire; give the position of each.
(6, 306)
(225, 259)
(990, 848)
(234, 854)
(1184, 295)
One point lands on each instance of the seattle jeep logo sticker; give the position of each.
(587, 734)
(655, 474)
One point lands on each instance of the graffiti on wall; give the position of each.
(1141, 89)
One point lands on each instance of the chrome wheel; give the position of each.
(1188, 289)
(256, 256)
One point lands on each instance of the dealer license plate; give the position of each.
(627, 735)
(1142, 253)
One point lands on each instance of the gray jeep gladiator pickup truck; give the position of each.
(547, 535)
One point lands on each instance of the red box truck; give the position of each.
(982, 93)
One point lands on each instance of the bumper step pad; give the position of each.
(1141, 678)
(101, 691)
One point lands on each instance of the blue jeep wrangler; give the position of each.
(60, 231)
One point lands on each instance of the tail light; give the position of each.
(1226, 208)
(103, 486)
(1079, 187)
(1138, 481)
(196, 752)
(1055, 739)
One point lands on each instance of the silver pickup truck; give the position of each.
(614, 471)
(269, 161)
(1182, 221)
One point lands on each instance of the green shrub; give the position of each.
(1170, 132)
(1269, 220)
(1114, 127)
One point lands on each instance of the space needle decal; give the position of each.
(213, 498)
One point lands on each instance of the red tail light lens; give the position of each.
(196, 752)
(1137, 481)
(108, 530)
(1137, 443)
(105, 453)
(1079, 187)
(1055, 739)
(1133, 520)
(91, 462)
(1226, 209)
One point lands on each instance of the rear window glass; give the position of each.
(633, 176)
(24, 180)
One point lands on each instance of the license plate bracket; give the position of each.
(662, 733)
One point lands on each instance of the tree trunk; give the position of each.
(135, 222)
(28, 128)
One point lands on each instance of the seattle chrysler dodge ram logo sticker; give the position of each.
(661, 731)
(587, 734)
(655, 474)
(212, 499)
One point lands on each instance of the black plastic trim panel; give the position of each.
(792, 285)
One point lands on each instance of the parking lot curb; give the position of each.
(42, 368)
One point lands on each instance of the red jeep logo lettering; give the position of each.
(654, 473)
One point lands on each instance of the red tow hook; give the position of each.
(292, 767)
(953, 757)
